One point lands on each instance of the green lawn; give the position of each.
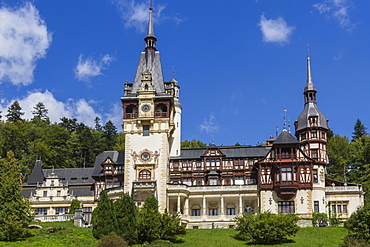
(306, 237)
(68, 235)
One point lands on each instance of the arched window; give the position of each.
(144, 175)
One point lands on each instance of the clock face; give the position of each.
(145, 156)
(145, 107)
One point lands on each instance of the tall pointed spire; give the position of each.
(310, 89)
(150, 39)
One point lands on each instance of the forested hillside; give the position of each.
(69, 144)
(349, 159)
(65, 144)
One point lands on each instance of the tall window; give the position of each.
(286, 207)
(87, 214)
(144, 175)
(315, 176)
(316, 206)
(239, 180)
(145, 130)
(286, 174)
(195, 212)
(230, 211)
(213, 211)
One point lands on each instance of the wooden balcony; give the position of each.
(130, 115)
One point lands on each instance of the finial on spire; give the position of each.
(173, 72)
(309, 75)
(213, 138)
(277, 131)
(284, 116)
(150, 39)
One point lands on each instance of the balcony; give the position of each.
(130, 115)
(53, 218)
(161, 115)
(144, 184)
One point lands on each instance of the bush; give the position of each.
(359, 224)
(318, 218)
(354, 242)
(266, 228)
(111, 240)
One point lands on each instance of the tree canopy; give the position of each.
(186, 144)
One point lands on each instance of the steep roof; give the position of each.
(116, 156)
(285, 138)
(37, 175)
(73, 175)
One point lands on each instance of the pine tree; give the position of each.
(359, 130)
(103, 217)
(149, 221)
(15, 212)
(14, 112)
(110, 133)
(40, 113)
(126, 214)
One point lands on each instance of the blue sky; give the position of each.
(239, 63)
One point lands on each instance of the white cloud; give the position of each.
(24, 39)
(275, 31)
(80, 109)
(89, 68)
(210, 125)
(136, 15)
(337, 10)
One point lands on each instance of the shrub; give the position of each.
(266, 228)
(359, 224)
(318, 218)
(354, 242)
(111, 240)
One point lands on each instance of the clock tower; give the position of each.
(151, 123)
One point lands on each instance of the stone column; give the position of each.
(204, 206)
(222, 205)
(240, 205)
(186, 206)
(178, 203)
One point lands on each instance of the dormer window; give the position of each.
(313, 121)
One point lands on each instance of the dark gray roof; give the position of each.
(82, 191)
(230, 152)
(149, 61)
(37, 175)
(116, 156)
(285, 138)
(311, 110)
(73, 175)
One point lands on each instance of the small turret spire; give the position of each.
(150, 39)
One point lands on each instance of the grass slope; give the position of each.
(306, 237)
(68, 235)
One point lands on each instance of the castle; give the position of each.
(209, 187)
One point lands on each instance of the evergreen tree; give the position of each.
(110, 133)
(14, 112)
(75, 204)
(40, 113)
(15, 212)
(359, 130)
(120, 142)
(149, 221)
(97, 124)
(338, 151)
(103, 217)
(171, 226)
(126, 214)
